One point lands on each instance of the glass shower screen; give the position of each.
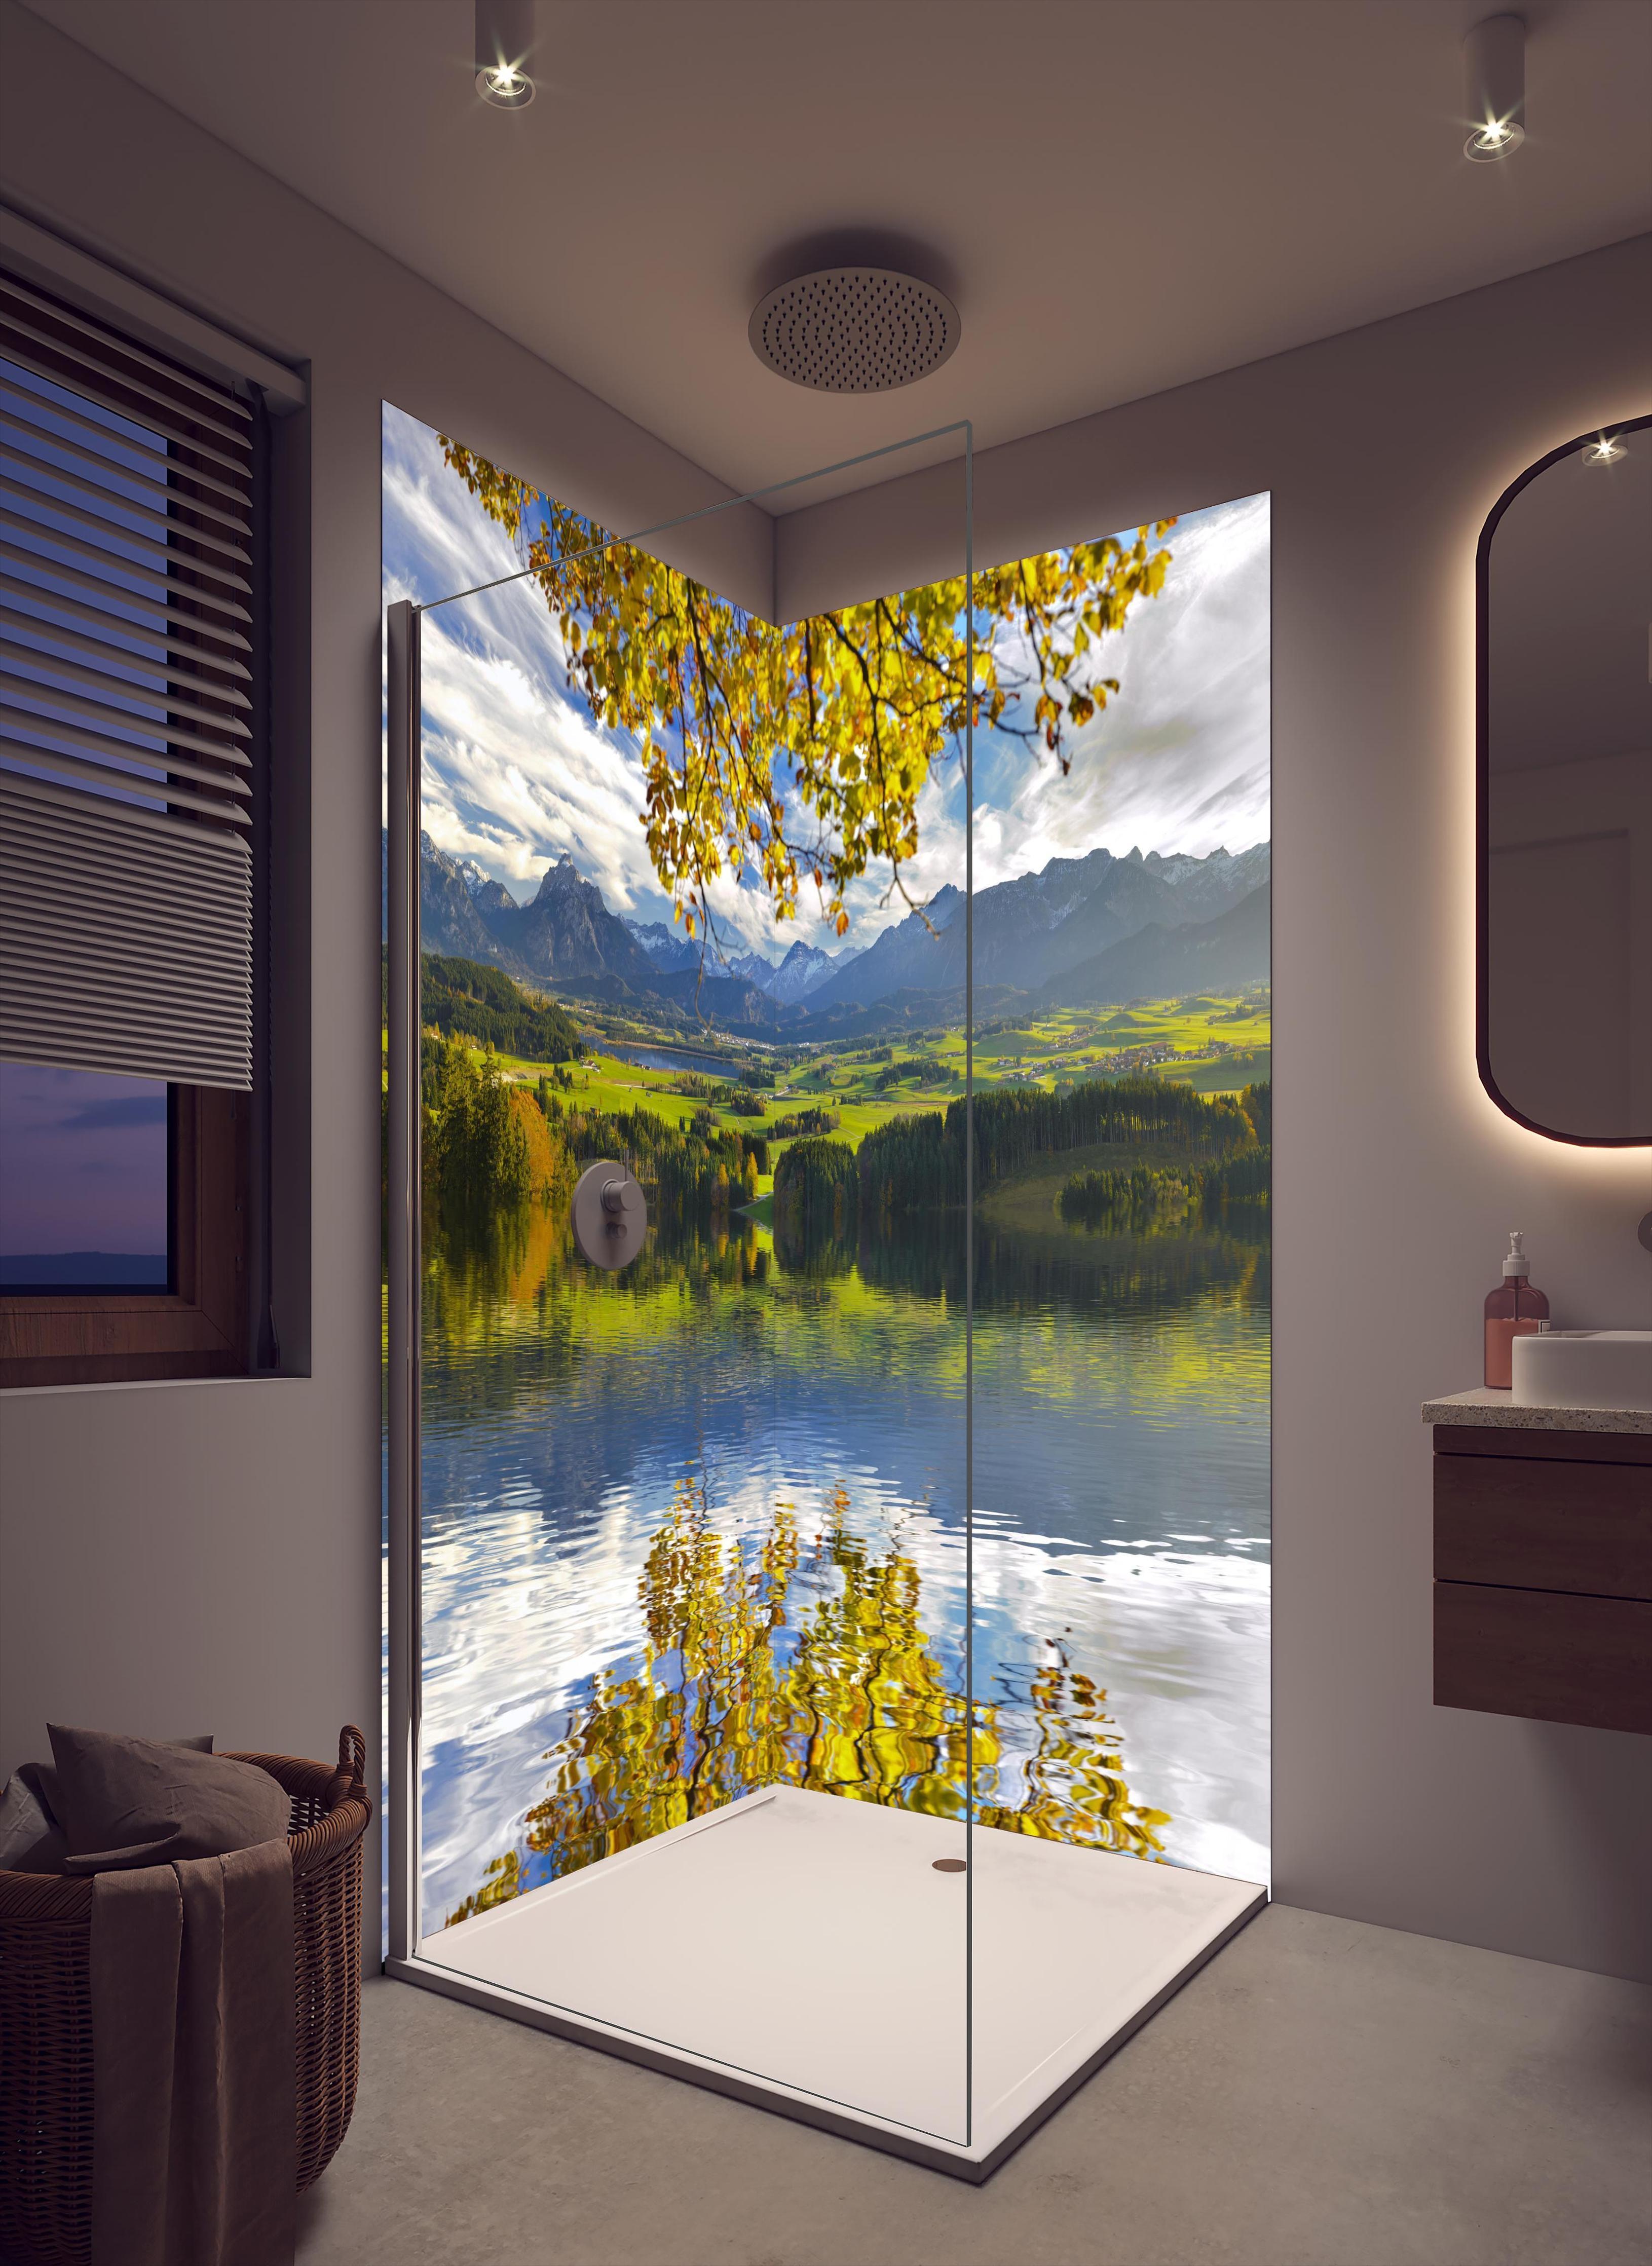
(829, 1643)
(680, 1659)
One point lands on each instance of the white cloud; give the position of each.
(1179, 760)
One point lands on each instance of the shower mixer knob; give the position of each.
(611, 1215)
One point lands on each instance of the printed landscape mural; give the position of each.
(691, 896)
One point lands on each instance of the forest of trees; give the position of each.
(1133, 1196)
(695, 1172)
(799, 1124)
(478, 1151)
(490, 1144)
(1145, 1196)
(924, 1069)
(817, 1190)
(464, 996)
(918, 1163)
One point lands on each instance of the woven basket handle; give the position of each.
(349, 1779)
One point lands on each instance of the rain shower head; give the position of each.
(854, 330)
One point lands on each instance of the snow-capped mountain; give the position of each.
(750, 967)
(485, 893)
(804, 969)
(666, 947)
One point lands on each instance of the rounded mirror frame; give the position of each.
(1614, 428)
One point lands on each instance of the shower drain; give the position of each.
(854, 330)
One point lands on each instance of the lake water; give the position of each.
(673, 1058)
(705, 1523)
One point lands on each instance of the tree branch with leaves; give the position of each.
(799, 753)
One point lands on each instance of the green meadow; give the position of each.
(1215, 1044)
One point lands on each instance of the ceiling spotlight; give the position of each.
(1607, 448)
(1495, 72)
(504, 40)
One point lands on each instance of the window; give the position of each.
(85, 1180)
(133, 794)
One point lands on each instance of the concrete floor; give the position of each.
(1324, 2094)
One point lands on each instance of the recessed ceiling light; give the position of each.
(504, 40)
(1607, 449)
(1495, 71)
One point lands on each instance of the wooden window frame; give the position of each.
(199, 1327)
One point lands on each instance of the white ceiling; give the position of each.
(1121, 195)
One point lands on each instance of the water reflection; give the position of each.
(626, 1480)
(787, 1659)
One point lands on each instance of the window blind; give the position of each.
(128, 746)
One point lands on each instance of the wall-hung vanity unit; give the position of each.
(1543, 1561)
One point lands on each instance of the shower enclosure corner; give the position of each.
(754, 1602)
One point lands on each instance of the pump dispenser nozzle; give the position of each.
(1517, 1262)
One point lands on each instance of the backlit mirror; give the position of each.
(1565, 576)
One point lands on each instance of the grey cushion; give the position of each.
(42, 1778)
(123, 1802)
(29, 1840)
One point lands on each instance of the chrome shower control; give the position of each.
(611, 1215)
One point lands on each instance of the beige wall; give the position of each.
(1395, 1175)
(191, 1557)
(179, 1557)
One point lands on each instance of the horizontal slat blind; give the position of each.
(127, 744)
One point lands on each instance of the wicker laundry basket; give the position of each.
(46, 2011)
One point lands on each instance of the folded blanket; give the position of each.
(194, 2081)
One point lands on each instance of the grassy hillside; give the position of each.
(463, 998)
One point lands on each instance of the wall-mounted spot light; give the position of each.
(1605, 448)
(1494, 73)
(504, 42)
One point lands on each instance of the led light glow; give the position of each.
(1495, 139)
(504, 43)
(506, 84)
(1494, 87)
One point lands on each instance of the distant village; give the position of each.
(1025, 1070)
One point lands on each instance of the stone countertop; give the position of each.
(1489, 1405)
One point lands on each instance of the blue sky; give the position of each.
(517, 772)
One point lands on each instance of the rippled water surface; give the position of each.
(703, 1525)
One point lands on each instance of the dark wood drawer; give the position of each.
(1517, 1443)
(1585, 1528)
(1529, 1652)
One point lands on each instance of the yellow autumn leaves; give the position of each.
(799, 753)
(737, 1688)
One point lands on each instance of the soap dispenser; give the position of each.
(1513, 1310)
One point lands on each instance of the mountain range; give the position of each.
(1085, 931)
(803, 969)
(1039, 925)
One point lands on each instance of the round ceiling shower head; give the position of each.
(854, 330)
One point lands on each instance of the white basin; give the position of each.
(1583, 1369)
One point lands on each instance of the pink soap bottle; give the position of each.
(1512, 1311)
